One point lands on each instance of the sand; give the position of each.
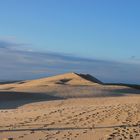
(77, 109)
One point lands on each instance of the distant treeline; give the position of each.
(8, 82)
(122, 84)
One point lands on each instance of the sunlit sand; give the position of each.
(69, 107)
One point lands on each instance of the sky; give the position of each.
(100, 34)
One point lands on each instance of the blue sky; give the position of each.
(105, 30)
(91, 28)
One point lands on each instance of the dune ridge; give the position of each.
(69, 106)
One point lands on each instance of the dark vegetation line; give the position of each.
(135, 86)
(8, 82)
(95, 80)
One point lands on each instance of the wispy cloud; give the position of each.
(16, 64)
(8, 44)
(12, 44)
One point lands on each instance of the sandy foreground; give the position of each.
(74, 119)
(68, 107)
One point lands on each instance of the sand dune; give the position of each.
(69, 107)
(66, 81)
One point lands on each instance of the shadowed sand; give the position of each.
(12, 99)
(69, 107)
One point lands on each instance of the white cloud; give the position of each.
(16, 64)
